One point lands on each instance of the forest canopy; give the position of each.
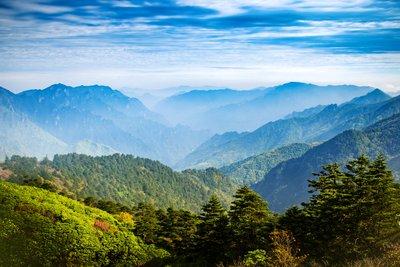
(352, 217)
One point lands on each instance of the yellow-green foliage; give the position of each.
(41, 228)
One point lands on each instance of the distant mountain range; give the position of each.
(20, 136)
(321, 124)
(98, 120)
(231, 110)
(286, 184)
(186, 107)
(60, 117)
(279, 156)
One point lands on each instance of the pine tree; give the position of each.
(212, 231)
(146, 222)
(352, 214)
(250, 221)
(177, 231)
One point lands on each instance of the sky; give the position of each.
(240, 44)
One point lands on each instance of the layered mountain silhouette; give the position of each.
(286, 184)
(186, 107)
(100, 115)
(20, 136)
(98, 120)
(230, 110)
(317, 127)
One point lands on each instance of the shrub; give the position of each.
(256, 258)
(102, 225)
(284, 250)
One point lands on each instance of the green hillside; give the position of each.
(254, 168)
(40, 228)
(122, 178)
(286, 184)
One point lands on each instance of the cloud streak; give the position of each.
(51, 36)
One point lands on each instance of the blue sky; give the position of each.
(235, 43)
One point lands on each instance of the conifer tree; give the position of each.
(146, 222)
(250, 221)
(177, 231)
(352, 214)
(212, 231)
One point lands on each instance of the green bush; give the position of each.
(256, 258)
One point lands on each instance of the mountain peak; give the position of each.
(378, 92)
(294, 85)
(4, 91)
(56, 86)
(371, 97)
(95, 86)
(62, 89)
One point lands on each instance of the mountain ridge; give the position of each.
(123, 178)
(252, 169)
(330, 121)
(275, 103)
(109, 118)
(286, 184)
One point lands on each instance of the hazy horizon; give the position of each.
(161, 93)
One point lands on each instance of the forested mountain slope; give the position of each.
(286, 184)
(306, 113)
(253, 169)
(40, 228)
(122, 178)
(322, 126)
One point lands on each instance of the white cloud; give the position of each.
(241, 66)
(134, 53)
(124, 3)
(30, 6)
(229, 7)
(314, 28)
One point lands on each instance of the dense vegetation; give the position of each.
(253, 169)
(121, 178)
(353, 214)
(351, 219)
(40, 228)
(286, 184)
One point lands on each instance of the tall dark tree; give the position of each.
(146, 222)
(212, 231)
(250, 221)
(352, 214)
(177, 231)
